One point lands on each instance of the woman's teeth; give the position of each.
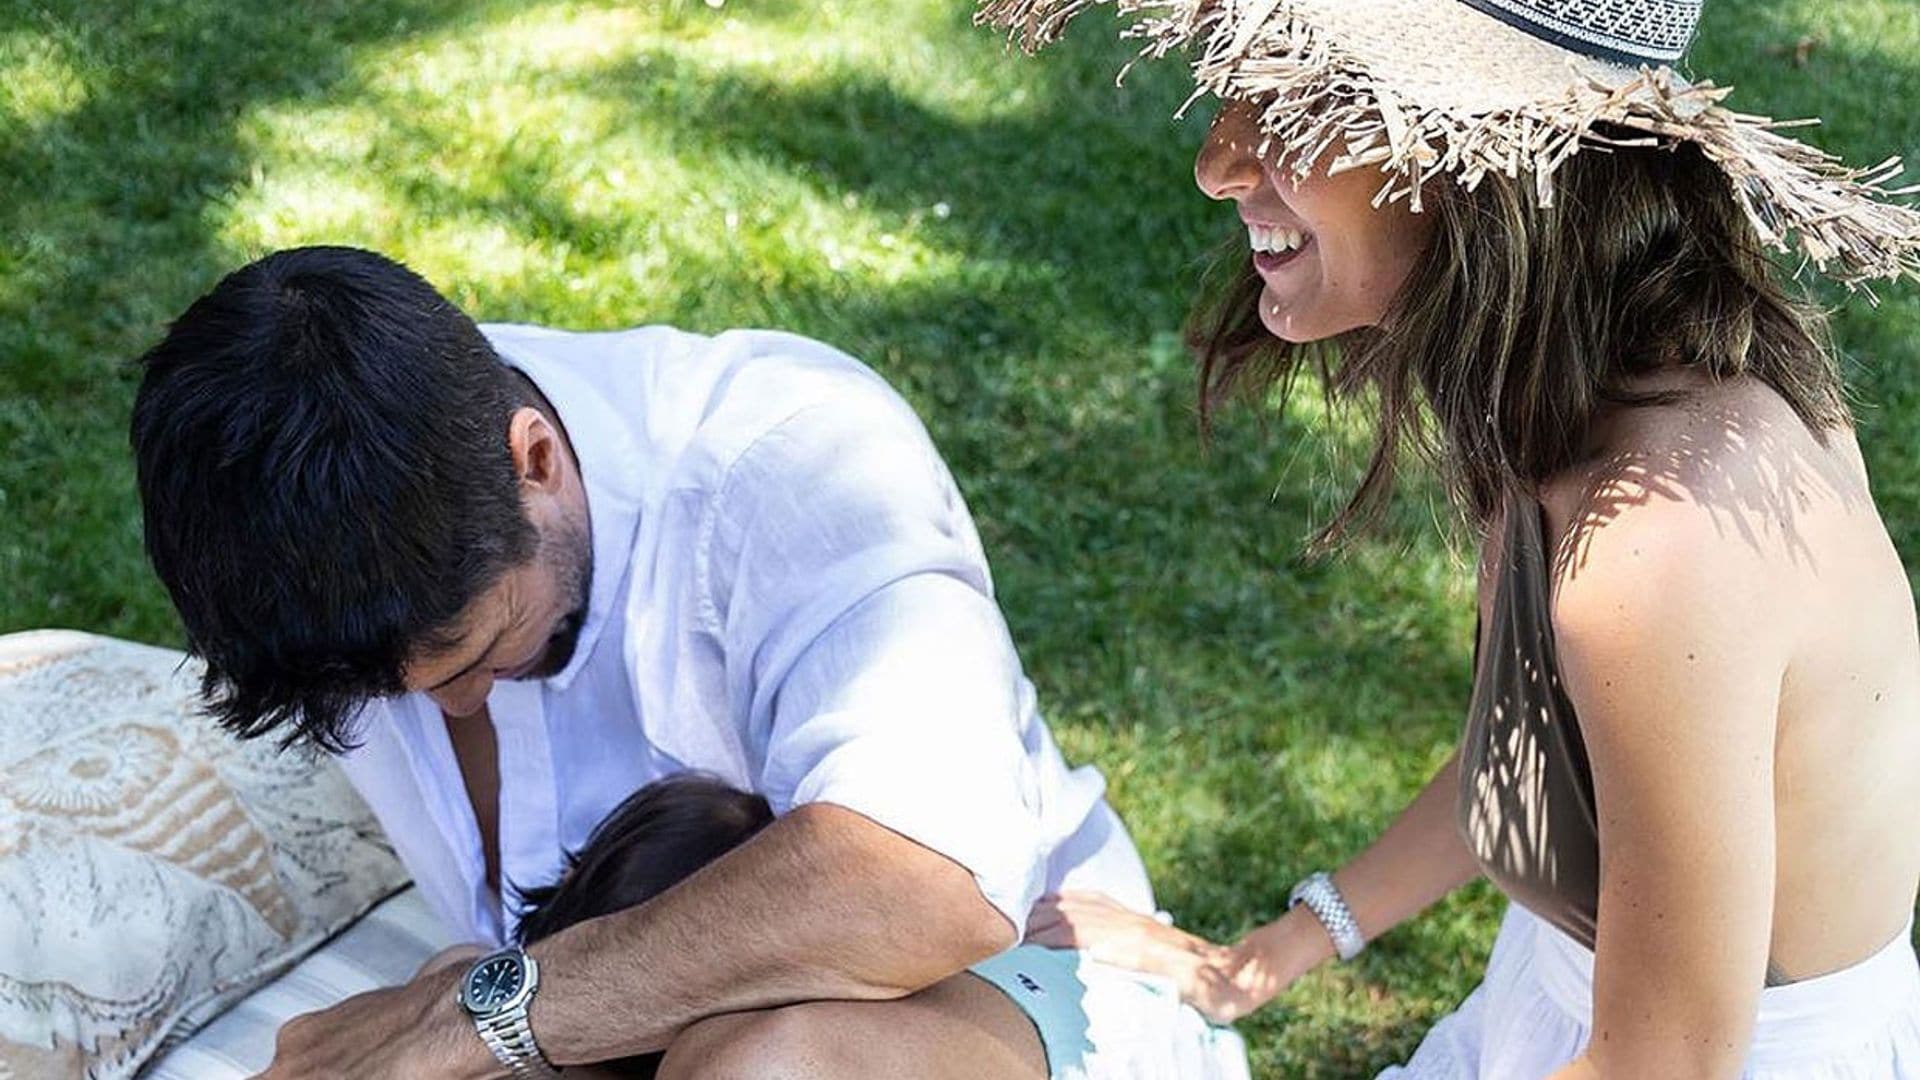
(1274, 240)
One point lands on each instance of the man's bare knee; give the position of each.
(795, 1042)
(960, 1029)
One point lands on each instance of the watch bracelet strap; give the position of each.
(1322, 897)
(510, 1038)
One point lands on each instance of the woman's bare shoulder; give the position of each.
(1673, 545)
(1725, 470)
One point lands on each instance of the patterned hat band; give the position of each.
(1629, 32)
(1421, 90)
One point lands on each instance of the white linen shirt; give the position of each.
(787, 593)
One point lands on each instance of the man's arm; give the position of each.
(823, 904)
(453, 956)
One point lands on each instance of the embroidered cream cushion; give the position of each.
(152, 869)
(384, 947)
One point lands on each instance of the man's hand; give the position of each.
(402, 1033)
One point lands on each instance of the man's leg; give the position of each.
(963, 1028)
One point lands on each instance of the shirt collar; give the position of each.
(610, 469)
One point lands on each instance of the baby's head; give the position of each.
(649, 843)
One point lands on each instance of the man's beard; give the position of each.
(570, 551)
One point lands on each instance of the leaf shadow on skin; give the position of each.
(1754, 472)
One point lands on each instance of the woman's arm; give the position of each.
(1672, 649)
(1419, 859)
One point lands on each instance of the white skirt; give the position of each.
(1534, 1011)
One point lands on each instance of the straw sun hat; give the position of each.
(1417, 88)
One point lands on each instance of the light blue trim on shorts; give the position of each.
(1051, 987)
(1045, 984)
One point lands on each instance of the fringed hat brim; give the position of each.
(1417, 89)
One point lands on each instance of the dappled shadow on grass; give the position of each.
(1074, 438)
(108, 200)
(1012, 196)
(1857, 75)
(1069, 425)
(1258, 715)
(104, 205)
(1031, 233)
(1154, 590)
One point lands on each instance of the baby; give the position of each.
(649, 843)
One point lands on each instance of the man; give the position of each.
(512, 575)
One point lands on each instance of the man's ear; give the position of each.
(535, 444)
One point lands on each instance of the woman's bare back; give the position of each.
(1847, 745)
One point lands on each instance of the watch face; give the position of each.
(494, 982)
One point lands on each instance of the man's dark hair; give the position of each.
(649, 843)
(321, 445)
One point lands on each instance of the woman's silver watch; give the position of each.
(1323, 898)
(496, 992)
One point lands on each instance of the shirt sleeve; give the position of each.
(865, 655)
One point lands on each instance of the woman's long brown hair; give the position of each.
(1520, 322)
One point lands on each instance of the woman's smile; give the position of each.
(1276, 246)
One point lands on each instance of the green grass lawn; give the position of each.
(1010, 241)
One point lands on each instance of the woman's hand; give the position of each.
(1223, 982)
(1254, 971)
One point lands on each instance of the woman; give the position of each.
(1692, 756)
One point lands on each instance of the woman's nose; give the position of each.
(1228, 166)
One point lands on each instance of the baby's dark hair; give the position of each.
(660, 835)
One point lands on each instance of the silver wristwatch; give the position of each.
(496, 992)
(1323, 898)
